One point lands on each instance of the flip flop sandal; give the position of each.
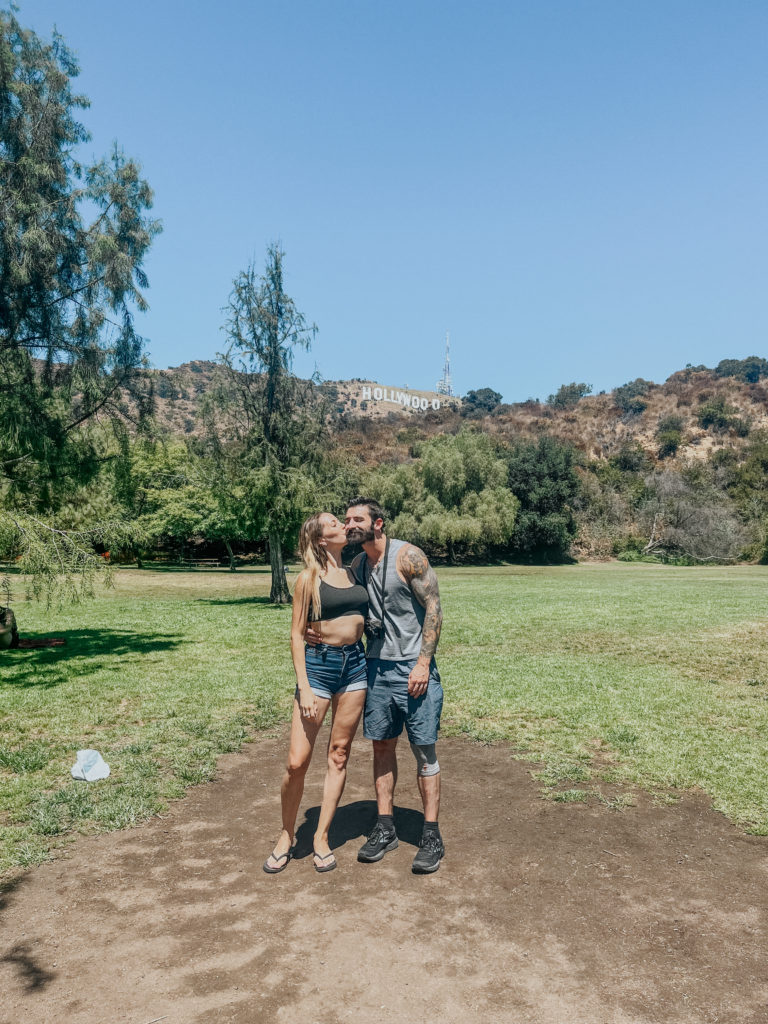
(324, 867)
(270, 870)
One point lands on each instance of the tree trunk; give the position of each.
(9, 634)
(279, 594)
(232, 565)
(654, 541)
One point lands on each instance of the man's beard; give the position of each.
(357, 535)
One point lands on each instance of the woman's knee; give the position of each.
(297, 765)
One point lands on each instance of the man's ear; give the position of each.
(378, 524)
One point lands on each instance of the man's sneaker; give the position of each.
(430, 854)
(378, 843)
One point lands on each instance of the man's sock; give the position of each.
(387, 822)
(431, 827)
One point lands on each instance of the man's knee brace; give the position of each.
(426, 759)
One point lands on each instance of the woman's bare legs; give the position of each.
(303, 735)
(347, 709)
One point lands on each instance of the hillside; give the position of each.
(179, 391)
(599, 427)
(379, 422)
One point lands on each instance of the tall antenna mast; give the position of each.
(445, 385)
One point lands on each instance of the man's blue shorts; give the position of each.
(388, 706)
(332, 670)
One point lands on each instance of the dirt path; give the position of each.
(542, 913)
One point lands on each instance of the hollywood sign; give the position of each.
(404, 398)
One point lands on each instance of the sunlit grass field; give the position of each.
(620, 673)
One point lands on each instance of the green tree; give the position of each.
(747, 485)
(453, 500)
(542, 476)
(750, 370)
(480, 403)
(276, 419)
(72, 244)
(228, 519)
(630, 397)
(168, 501)
(170, 493)
(568, 395)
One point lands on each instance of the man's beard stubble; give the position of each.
(357, 535)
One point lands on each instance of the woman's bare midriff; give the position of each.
(347, 629)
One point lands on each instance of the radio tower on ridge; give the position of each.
(445, 385)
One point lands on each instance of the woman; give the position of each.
(331, 674)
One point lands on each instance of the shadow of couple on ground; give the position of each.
(354, 821)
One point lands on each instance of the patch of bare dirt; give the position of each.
(541, 913)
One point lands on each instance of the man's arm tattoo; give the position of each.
(422, 580)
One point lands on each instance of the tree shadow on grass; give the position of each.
(241, 600)
(354, 821)
(85, 652)
(34, 976)
(20, 956)
(160, 567)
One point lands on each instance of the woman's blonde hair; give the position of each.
(315, 558)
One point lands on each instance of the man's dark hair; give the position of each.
(374, 508)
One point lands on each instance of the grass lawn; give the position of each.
(617, 673)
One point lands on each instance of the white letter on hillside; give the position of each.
(366, 393)
(378, 394)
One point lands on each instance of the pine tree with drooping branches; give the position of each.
(277, 418)
(73, 239)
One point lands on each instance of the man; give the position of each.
(404, 687)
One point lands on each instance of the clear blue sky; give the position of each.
(576, 189)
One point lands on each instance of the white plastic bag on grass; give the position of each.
(90, 766)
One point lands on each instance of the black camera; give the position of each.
(374, 630)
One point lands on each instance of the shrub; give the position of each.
(669, 442)
(686, 518)
(630, 458)
(667, 423)
(717, 415)
(749, 370)
(568, 395)
(669, 434)
(629, 397)
(741, 427)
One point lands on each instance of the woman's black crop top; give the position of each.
(338, 601)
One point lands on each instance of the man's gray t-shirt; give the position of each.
(403, 615)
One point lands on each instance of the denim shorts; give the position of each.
(332, 670)
(389, 707)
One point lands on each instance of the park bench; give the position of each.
(200, 563)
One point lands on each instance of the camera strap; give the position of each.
(383, 578)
